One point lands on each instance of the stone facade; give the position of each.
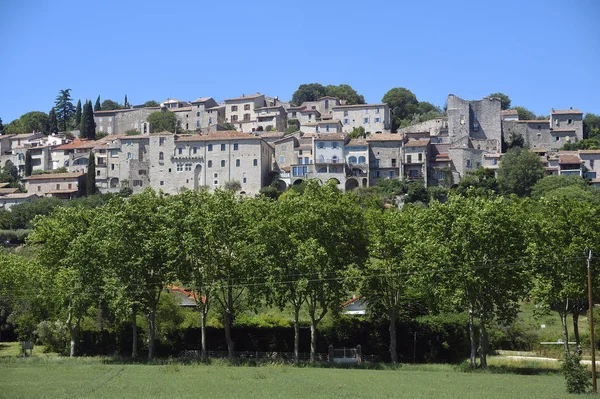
(383, 150)
(241, 112)
(62, 185)
(374, 118)
(119, 121)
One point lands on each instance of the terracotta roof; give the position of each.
(220, 135)
(360, 106)
(310, 111)
(17, 196)
(63, 191)
(8, 190)
(181, 109)
(249, 97)
(509, 112)
(330, 137)
(492, 155)
(51, 176)
(188, 293)
(271, 134)
(539, 150)
(216, 107)
(594, 181)
(304, 147)
(2, 185)
(78, 144)
(533, 121)
(589, 151)
(269, 107)
(296, 108)
(551, 168)
(566, 159)
(323, 117)
(386, 137)
(356, 142)
(566, 111)
(417, 143)
(201, 100)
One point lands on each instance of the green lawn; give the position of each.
(55, 377)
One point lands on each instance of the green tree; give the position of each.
(481, 182)
(52, 122)
(402, 103)
(504, 100)
(64, 108)
(520, 169)
(229, 126)
(164, 120)
(109, 105)
(151, 103)
(28, 166)
(524, 114)
(344, 92)
(72, 264)
(126, 103)
(547, 185)
(35, 121)
(97, 106)
(78, 113)
(417, 192)
(91, 174)
(88, 125)
(10, 173)
(591, 126)
(308, 92)
(1, 126)
(358, 132)
(233, 186)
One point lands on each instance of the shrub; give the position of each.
(53, 335)
(576, 376)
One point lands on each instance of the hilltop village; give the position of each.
(244, 140)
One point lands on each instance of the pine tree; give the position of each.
(28, 165)
(126, 103)
(97, 106)
(52, 123)
(64, 108)
(91, 173)
(1, 126)
(78, 114)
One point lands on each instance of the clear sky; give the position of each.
(543, 54)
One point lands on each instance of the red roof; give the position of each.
(78, 144)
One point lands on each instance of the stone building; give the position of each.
(374, 118)
(61, 185)
(241, 111)
(385, 155)
(271, 118)
(119, 121)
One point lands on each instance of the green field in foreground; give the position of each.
(54, 377)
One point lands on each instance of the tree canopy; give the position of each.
(504, 100)
(30, 122)
(164, 120)
(109, 105)
(64, 108)
(520, 169)
(314, 91)
(406, 109)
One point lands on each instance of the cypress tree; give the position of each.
(52, 123)
(83, 124)
(1, 126)
(78, 114)
(126, 103)
(91, 174)
(88, 126)
(28, 165)
(97, 106)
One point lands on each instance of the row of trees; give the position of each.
(476, 254)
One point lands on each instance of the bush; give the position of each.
(53, 335)
(576, 376)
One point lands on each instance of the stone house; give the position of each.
(385, 156)
(119, 121)
(322, 126)
(415, 159)
(271, 118)
(201, 119)
(329, 160)
(356, 156)
(374, 118)
(61, 185)
(241, 111)
(9, 200)
(74, 155)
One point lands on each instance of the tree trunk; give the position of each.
(393, 349)
(473, 358)
(73, 329)
(563, 320)
(576, 330)
(313, 340)
(203, 313)
(483, 341)
(151, 333)
(227, 322)
(134, 333)
(296, 335)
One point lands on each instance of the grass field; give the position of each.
(44, 376)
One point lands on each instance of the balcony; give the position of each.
(334, 160)
(414, 176)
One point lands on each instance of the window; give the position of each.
(39, 188)
(569, 121)
(222, 163)
(137, 183)
(180, 150)
(306, 161)
(326, 128)
(179, 167)
(299, 152)
(335, 144)
(215, 175)
(188, 167)
(246, 117)
(197, 113)
(591, 164)
(440, 176)
(334, 159)
(197, 123)
(377, 162)
(234, 118)
(334, 169)
(195, 150)
(393, 162)
(210, 147)
(409, 159)
(326, 104)
(468, 163)
(362, 160)
(129, 155)
(216, 182)
(237, 162)
(162, 183)
(320, 144)
(244, 181)
(141, 172)
(246, 107)
(293, 114)
(235, 146)
(161, 141)
(376, 173)
(346, 121)
(69, 186)
(255, 162)
(366, 121)
(376, 110)
(476, 126)
(420, 156)
(58, 186)
(556, 138)
(391, 173)
(352, 160)
(345, 113)
(210, 164)
(222, 147)
(283, 148)
(300, 160)
(234, 108)
(112, 166)
(494, 161)
(462, 119)
(377, 120)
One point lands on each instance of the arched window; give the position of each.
(362, 160)
(335, 159)
(352, 160)
(161, 156)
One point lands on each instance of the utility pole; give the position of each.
(591, 307)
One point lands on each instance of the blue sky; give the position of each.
(543, 54)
